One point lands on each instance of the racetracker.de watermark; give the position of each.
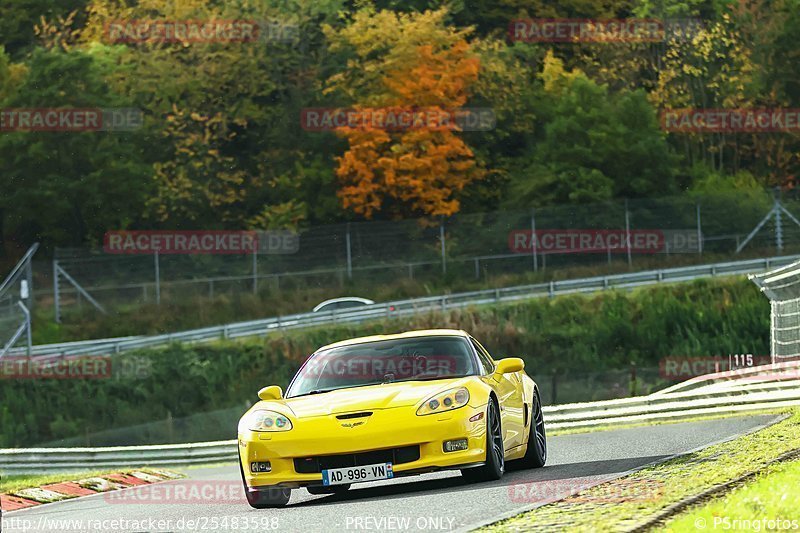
(70, 367)
(142, 31)
(70, 119)
(186, 491)
(201, 242)
(398, 118)
(586, 490)
(575, 241)
(737, 366)
(365, 367)
(694, 120)
(631, 30)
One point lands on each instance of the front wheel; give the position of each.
(536, 453)
(495, 463)
(266, 497)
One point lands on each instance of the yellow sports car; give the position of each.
(390, 405)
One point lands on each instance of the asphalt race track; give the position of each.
(433, 502)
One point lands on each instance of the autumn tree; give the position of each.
(404, 63)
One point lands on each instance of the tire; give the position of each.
(334, 489)
(495, 464)
(266, 497)
(536, 452)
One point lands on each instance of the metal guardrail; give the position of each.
(411, 306)
(748, 396)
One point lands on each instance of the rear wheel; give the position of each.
(334, 489)
(536, 453)
(495, 463)
(265, 497)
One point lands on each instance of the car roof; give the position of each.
(404, 335)
(365, 301)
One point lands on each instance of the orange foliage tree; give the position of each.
(417, 170)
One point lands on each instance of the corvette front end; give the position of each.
(410, 442)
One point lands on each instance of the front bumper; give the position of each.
(384, 429)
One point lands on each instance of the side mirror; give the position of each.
(509, 365)
(270, 393)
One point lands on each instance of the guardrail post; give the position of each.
(552, 289)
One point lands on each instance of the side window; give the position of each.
(483, 357)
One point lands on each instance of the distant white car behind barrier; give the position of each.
(344, 302)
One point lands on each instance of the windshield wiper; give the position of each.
(315, 391)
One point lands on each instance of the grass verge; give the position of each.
(568, 431)
(628, 502)
(769, 502)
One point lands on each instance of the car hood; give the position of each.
(385, 396)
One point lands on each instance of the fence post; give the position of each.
(778, 228)
(349, 254)
(255, 270)
(56, 295)
(700, 232)
(534, 241)
(158, 279)
(628, 232)
(441, 239)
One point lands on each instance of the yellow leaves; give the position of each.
(555, 78)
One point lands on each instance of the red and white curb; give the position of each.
(65, 490)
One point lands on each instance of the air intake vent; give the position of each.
(354, 415)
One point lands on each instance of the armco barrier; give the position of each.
(409, 307)
(745, 395)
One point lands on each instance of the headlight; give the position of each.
(263, 420)
(444, 401)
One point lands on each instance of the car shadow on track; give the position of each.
(514, 475)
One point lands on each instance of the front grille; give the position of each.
(396, 456)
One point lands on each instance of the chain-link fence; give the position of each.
(782, 287)
(474, 247)
(16, 302)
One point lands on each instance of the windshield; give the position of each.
(372, 363)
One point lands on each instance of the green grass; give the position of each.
(772, 495)
(667, 483)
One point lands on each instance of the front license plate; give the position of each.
(357, 474)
